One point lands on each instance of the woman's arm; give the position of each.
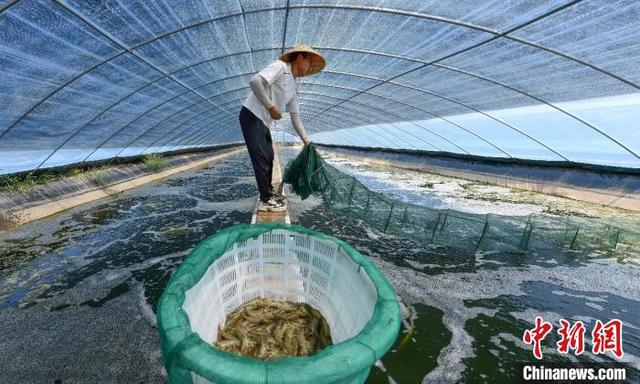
(299, 127)
(257, 84)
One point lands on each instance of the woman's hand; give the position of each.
(275, 113)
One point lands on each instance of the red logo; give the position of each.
(607, 337)
(536, 335)
(604, 337)
(571, 337)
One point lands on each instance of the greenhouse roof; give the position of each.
(85, 80)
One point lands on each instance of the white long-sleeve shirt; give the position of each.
(275, 85)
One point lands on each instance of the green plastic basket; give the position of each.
(283, 262)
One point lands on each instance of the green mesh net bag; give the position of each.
(280, 262)
(464, 232)
(304, 173)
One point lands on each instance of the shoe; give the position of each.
(276, 195)
(272, 205)
(280, 198)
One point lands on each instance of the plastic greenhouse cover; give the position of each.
(554, 80)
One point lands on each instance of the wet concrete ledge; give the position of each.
(606, 186)
(48, 199)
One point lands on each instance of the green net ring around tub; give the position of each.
(281, 262)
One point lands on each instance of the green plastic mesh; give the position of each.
(190, 359)
(308, 173)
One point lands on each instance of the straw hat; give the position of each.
(317, 61)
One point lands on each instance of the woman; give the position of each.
(273, 89)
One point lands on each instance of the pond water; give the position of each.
(78, 290)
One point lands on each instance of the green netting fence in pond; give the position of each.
(278, 262)
(308, 173)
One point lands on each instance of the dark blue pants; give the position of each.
(260, 146)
